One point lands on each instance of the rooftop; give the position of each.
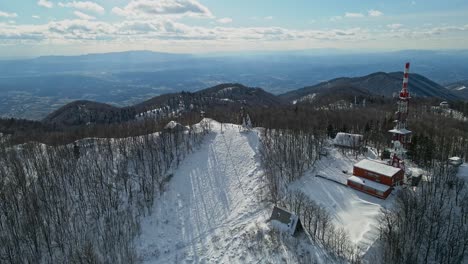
(348, 140)
(368, 183)
(380, 168)
(402, 131)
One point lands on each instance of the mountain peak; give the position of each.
(378, 83)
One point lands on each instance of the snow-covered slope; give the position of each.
(212, 211)
(357, 212)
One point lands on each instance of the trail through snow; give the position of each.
(211, 192)
(211, 211)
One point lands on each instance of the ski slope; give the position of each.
(212, 211)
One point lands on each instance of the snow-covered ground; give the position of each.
(355, 211)
(212, 211)
(463, 171)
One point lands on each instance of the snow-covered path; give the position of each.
(212, 196)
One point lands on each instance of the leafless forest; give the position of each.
(67, 204)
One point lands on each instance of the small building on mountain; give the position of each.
(284, 220)
(378, 172)
(375, 178)
(347, 140)
(173, 126)
(455, 161)
(444, 105)
(370, 187)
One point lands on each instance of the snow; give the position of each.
(306, 98)
(463, 171)
(348, 140)
(284, 228)
(374, 185)
(357, 212)
(461, 88)
(402, 131)
(227, 89)
(455, 161)
(172, 125)
(211, 211)
(377, 167)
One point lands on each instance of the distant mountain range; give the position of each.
(380, 84)
(32, 88)
(131, 57)
(88, 112)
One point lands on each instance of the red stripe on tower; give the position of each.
(404, 92)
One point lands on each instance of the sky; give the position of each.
(60, 27)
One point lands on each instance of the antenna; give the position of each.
(404, 90)
(401, 135)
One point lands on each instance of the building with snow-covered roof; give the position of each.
(455, 161)
(348, 140)
(444, 104)
(371, 177)
(285, 220)
(378, 172)
(175, 127)
(369, 187)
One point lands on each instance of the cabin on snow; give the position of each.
(284, 220)
(375, 178)
(346, 140)
(175, 127)
(455, 161)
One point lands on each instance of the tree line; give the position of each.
(428, 224)
(83, 203)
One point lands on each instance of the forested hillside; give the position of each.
(83, 203)
(379, 83)
(81, 199)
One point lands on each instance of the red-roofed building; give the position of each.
(375, 178)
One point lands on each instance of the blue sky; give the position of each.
(42, 27)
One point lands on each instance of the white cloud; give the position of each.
(335, 18)
(374, 13)
(225, 20)
(84, 5)
(8, 15)
(21, 33)
(80, 30)
(35, 16)
(152, 8)
(395, 26)
(45, 3)
(268, 18)
(353, 15)
(168, 32)
(84, 16)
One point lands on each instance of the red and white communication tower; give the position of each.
(401, 134)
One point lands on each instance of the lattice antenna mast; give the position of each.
(403, 100)
(401, 134)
